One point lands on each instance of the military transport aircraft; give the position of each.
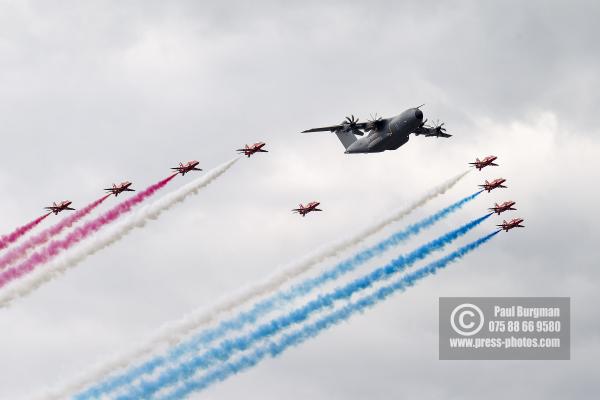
(255, 148)
(62, 206)
(303, 210)
(187, 167)
(506, 206)
(513, 223)
(480, 164)
(120, 188)
(383, 133)
(496, 183)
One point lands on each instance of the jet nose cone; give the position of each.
(419, 114)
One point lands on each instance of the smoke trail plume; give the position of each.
(310, 330)
(20, 231)
(172, 332)
(80, 233)
(97, 243)
(264, 306)
(227, 347)
(42, 237)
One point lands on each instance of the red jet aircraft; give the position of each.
(255, 148)
(496, 183)
(507, 205)
(303, 210)
(187, 167)
(62, 206)
(120, 188)
(480, 164)
(513, 223)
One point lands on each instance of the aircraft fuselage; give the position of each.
(391, 133)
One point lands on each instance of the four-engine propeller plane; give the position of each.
(383, 133)
(496, 183)
(513, 223)
(506, 206)
(303, 210)
(61, 206)
(255, 148)
(487, 161)
(120, 188)
(187, 167)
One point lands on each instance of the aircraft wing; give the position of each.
(335, 128)
(332, 128)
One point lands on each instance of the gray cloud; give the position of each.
(98, 92)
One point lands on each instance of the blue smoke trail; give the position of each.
(264, 306)
(145, 389)
(275, 348)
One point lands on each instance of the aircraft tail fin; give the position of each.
(347, 138)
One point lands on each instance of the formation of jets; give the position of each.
(122, 187)
(383, 134)
(498, 183)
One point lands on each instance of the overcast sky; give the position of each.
(93, 93)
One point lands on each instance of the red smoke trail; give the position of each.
(80, 233)
(42, 237)
(11, 237)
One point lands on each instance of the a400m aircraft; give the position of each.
(383, 133)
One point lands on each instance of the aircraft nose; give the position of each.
(419, 114)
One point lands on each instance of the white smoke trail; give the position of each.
(173, 332)
(96, 243)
